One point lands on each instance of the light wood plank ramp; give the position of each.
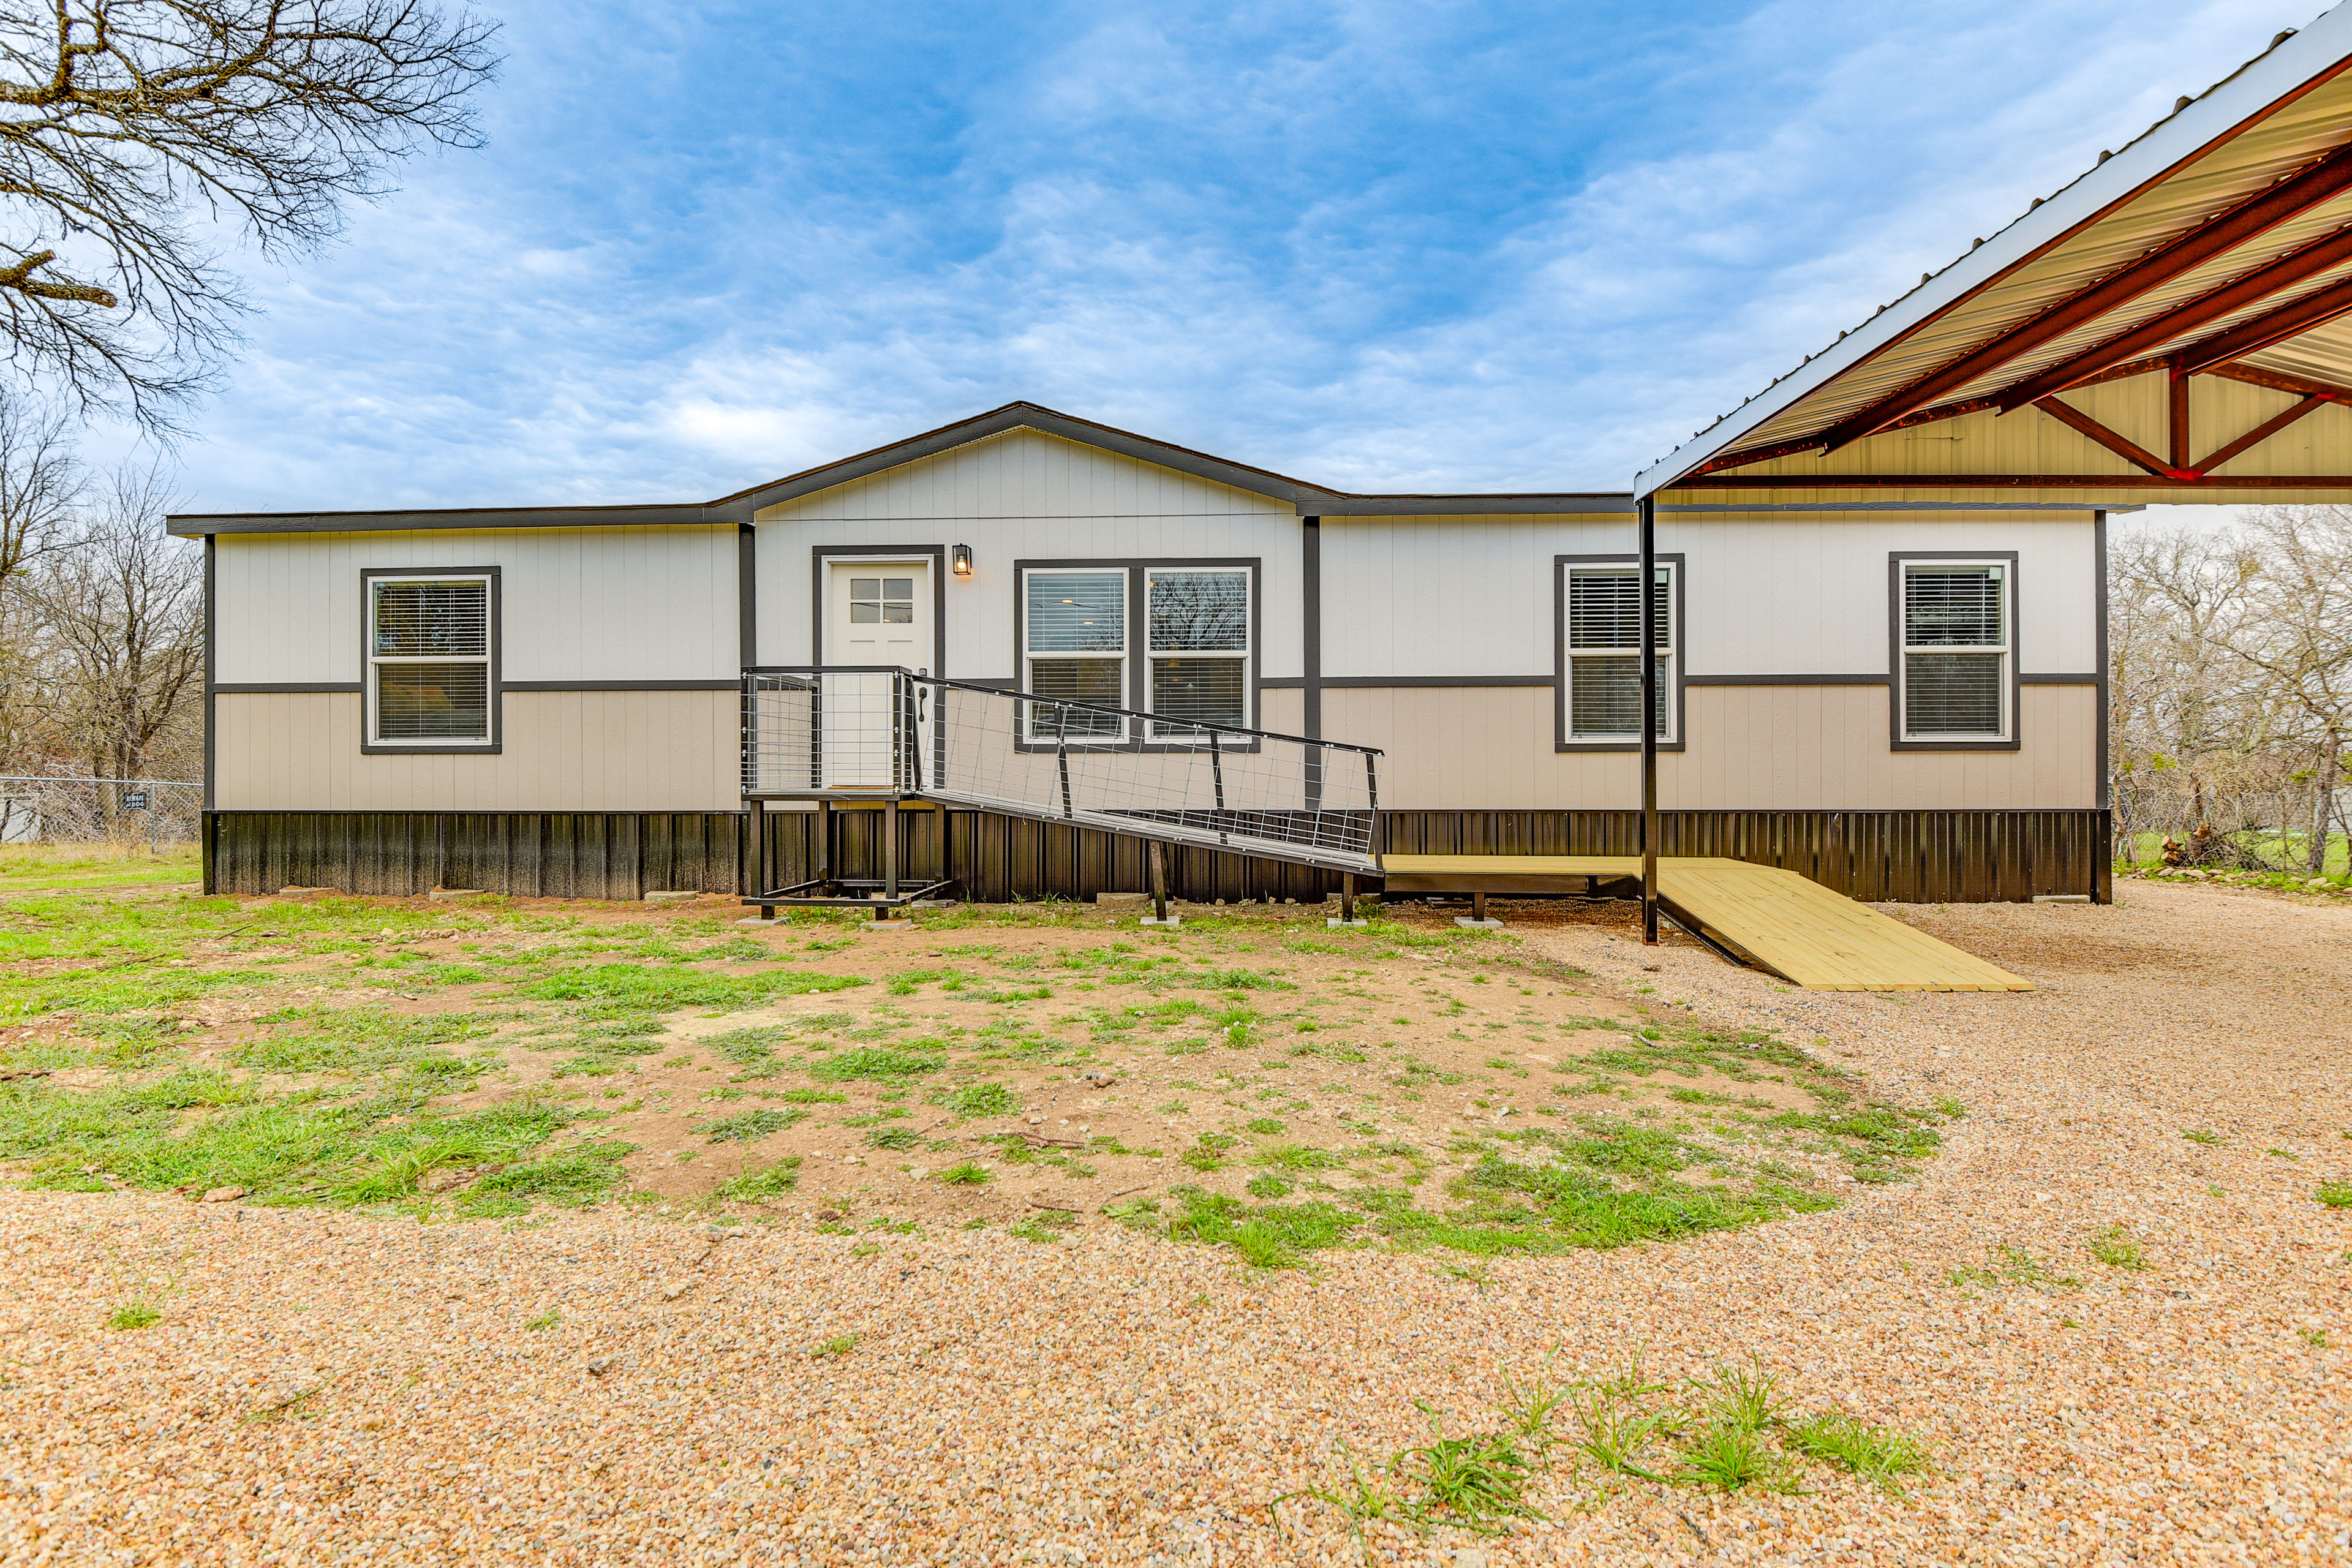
(1777, 919)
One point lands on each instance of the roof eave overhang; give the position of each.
(2221, 113)
(1577, 505)
(199, 525)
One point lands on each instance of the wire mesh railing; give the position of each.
(839, 732)
(36, 808)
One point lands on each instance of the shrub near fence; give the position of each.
(38, 809)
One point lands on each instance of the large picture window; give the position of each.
(1956, 652)
(1175, 640)
(1602, 661)
(432, 651)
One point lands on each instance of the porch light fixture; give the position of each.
(961, 560)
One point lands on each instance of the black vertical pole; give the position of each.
(1649, 721)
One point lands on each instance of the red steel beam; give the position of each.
(2128, 450)
(2253, 376)
(2298, 316)
(2257, 215)
(2009, 482)
(2211, 306)
(2263, 432)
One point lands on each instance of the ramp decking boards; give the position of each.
(1787, 924)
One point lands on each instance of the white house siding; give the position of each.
(1752, 748)
(564, 751)
(1779, 596)
(587, 604)
(1023, 495)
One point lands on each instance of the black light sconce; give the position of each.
(959, 559)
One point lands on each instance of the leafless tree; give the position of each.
(2232, 675)
(122, 620)
(126, 126)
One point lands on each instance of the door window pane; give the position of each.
(1078, 612)
(881, 601)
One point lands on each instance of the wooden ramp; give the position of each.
(1776, 920)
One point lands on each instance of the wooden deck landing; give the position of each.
(1784, 923)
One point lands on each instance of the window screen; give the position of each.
(429, 650)
(1604, 652)
(1956, 651)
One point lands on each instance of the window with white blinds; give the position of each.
(1073, 633)
(431, 643)
(1603, 655)
(1956, 651)
(1200, 622)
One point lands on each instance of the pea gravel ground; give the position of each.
(327, 1389)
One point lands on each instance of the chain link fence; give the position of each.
(41, 809)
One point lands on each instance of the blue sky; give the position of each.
(1374, 245)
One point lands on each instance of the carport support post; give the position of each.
(1649, 591)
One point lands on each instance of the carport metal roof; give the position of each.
(2163, 327)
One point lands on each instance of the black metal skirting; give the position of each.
(1903, 857)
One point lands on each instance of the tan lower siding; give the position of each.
(564, 750)
(1751, 748)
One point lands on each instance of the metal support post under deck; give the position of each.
(1649, 591)
(1159, 880)
(761, 881)
(889, 853)
(1348, 898)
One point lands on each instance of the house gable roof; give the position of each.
(1308, 500)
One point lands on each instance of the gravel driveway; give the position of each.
(604, 1388)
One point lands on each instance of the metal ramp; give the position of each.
(837, 733)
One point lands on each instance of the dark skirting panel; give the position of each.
(1900, 856)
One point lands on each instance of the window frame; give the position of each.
(1898, 565)
(494, 662)
(1247, 657)
(1673, 563)
(1136, 673)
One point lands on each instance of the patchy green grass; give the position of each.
(973, 1101)
(664, 989)
(768, 1181)
(751, 1126)
(885, 1063)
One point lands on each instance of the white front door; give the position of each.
(877, 613)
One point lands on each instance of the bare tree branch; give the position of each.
(125, 124)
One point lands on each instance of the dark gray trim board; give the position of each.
(747, 594)
(2099, 600)
(1409, 682)
(1310, 620)
(496, 744)
(274, 688)
(212, 729)
(2085, 679)
(191, 525)
(1139, 650)
(1572, 505)
(937, 554)
(621, 685)
(1894, 741)
(1786, 679)
(1560, 738)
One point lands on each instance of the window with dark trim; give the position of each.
(1175, 639)
(1601, 660)
(1956, 652)
(432, 660)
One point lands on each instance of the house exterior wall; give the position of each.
(1439, 643)
(576, 605)
(1023, 495)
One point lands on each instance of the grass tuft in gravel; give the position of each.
(2115, 1248)
(1879, 1454)
(839, 1345)
(768, 1181)
(135, 1312)
(2007, 1268)
(751, 1126)
(2334, 1194)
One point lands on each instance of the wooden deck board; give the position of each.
(1795, 927)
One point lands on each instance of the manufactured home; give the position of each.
(1004, 658)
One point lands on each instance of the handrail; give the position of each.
(752, 669)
